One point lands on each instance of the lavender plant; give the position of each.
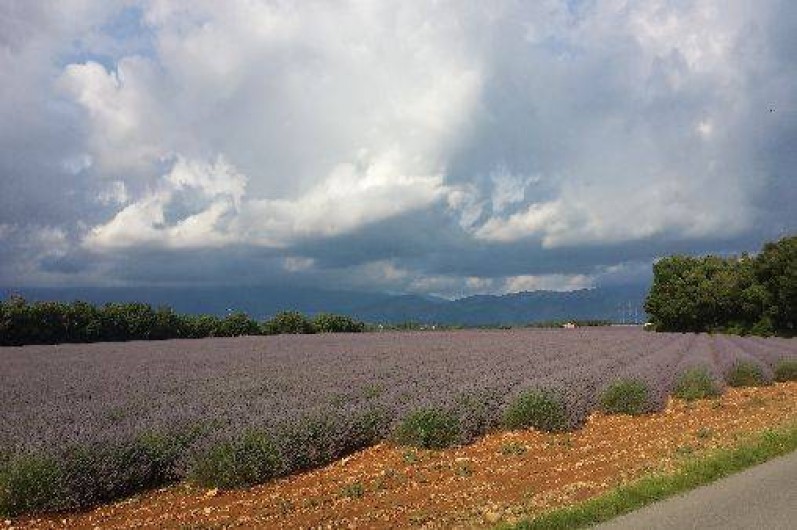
(626, 396)
(81, 424)
(429, 428)
(695, 383)
(745, 373)
(786, 370)
(540, 408)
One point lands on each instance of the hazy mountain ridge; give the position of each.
(617, 303)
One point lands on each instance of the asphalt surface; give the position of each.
(762, 497)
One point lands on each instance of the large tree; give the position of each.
(776, 271)
(741, 294)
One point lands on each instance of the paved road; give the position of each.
(762, 497)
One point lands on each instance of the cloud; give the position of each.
(633, 125)
(328, 135)
(191, 208)
(447, 147)
(126, 120)
(536, 219)
(395, 278)
(114, 193)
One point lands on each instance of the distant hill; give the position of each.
(608, 303)
(616, 303)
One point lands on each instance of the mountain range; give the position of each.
(615, 303)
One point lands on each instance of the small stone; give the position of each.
(208, 510)
(491, 517)
(212, 493)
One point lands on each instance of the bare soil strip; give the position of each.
(502, 477)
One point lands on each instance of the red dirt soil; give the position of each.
(501, 477)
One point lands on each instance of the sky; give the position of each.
(447, 148)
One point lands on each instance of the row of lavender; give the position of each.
(83, 424)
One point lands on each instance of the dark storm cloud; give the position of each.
(452, 148)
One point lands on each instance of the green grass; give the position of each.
(355, 490)
(513, 449)
(695, 472)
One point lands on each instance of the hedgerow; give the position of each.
(23, 323)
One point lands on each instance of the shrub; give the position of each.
(313, 441)
(199, 326)
(540, 409)
(236, 325)
(355, 490)
(428, 428)
(745, 373)
(328, 323)
(513, 449)
(28, 484)
(367, 428)
(81, 476)
(626, 396)
(786, 370)
(251, 459)
(695, 383)
(477, 412)
(291, 322)
(151, 459)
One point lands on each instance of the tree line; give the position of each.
(22, 322)
(739, 294)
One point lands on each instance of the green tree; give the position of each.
(329, 323)
(235, 325)
(167, 324)
(674, 300)
(776, 271)
(16, 322)
(199, 326)
(291, 322)
(739, 294)
(84, 322)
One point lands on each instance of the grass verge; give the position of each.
(694, 473)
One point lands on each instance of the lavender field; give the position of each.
(103, 420)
